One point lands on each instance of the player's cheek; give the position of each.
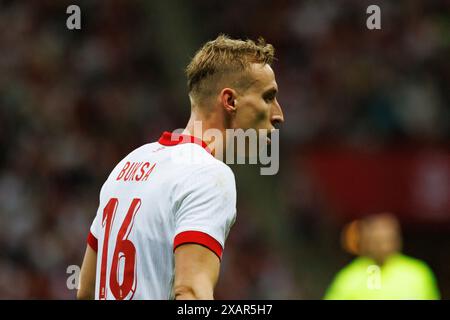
(250, 116)
(264, 117)
(259, 119)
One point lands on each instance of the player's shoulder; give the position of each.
(144, 149)
(209, 168)
(356, 266)
(411, 263)
(197, 168)
(195, 159)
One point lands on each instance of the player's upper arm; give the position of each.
(196, 272)
(86, 288)
(205, 211)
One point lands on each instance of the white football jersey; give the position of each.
(160, 196)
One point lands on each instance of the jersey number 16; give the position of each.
(124, 253)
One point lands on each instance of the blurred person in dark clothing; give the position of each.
(381, 271)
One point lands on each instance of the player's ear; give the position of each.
(228, 100)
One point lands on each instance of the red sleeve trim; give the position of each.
(92, 241)
(200, 238)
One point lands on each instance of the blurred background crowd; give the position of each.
(366, 131)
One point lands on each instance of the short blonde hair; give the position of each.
(224, 56)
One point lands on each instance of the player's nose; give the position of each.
(277, 116)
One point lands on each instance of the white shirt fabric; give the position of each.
(160, 196)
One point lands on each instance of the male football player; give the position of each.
(162, 222)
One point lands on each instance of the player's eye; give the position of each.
(269, 97)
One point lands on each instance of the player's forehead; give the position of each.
(263, 77)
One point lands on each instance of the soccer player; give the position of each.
(162, 222)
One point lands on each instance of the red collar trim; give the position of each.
(173, 139)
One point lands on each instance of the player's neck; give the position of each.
(198, 124)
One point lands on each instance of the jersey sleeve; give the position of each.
(92, 238)
(206, 208)
(96, 226)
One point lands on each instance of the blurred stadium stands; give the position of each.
(367, 129)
